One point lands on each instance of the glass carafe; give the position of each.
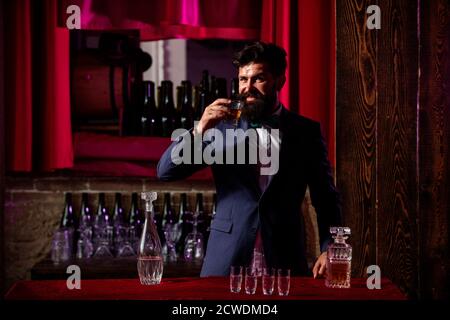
(150, 259)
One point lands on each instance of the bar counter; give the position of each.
(194, 288)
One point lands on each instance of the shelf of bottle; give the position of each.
(109, 155)
(109, 268)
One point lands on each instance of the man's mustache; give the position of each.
(244, 96)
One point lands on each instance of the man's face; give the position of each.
(259, 87)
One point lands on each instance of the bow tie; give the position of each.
(272, 122)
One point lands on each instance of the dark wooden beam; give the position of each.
(356, 102)
(434, 144)
(397, 189)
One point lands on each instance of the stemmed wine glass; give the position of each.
(194, 248)
(172, 233)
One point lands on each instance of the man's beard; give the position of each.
(257, 109)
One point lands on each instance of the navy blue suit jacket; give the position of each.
(242, 208)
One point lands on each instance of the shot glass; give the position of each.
(251, 280)
(268, 280)
(284, 281)
(235, 279)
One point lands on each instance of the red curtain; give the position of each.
(38, 131)
(306, 30)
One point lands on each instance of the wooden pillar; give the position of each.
(434, 145)
(356, 102)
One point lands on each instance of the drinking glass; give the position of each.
(125, 248)
(104, 240)
(194, 247)
(268, 280)
(235, 111)
(284, 281)
(235, 279)
(85, 247)
(62, 245)
(251, 280)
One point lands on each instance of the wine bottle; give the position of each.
(199, 212)
(85, 216)
(213, 89)
(84, 233)
(234, 88)
(221, 88)
(102, 217)
(168, 214)
(184, 221)
(68, 218)
(187, 112)
(150, 118)
(167, 109)
(135, 220)
(204, 98)
(118, 215)
(135, 216)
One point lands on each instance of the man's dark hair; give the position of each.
(261, 52)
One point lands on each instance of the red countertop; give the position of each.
(211, 288)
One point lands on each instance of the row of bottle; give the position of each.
(148, 118)
(118, 234)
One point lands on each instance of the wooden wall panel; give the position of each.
(393, 140)
(355, 131)
(434, 142)
(397, 85)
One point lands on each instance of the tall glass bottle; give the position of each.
(234, 91)
(85, 247)
(167, 109)
(68, 221)
(200, 214)
(220, 88)
(85, 216)
(194, 247)
(103, 230)
(204, 98)
(102, 217)
(339, 257)
(68, 217)
(118, 215)
(118, 221)
(150, 260)
(187, 112)
(136, 220)
(150, 118)
(184, 221)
